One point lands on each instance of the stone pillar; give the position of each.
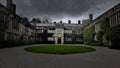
(116, 19)
(56, 40)
(113, 20)
(110, 21)
(5, 37)
(119, 17)
(109, 43)
(62, 40)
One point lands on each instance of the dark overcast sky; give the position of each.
(62, 9)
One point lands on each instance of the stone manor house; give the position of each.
(59, 32)
(15, 27)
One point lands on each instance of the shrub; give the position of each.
(113, 34)
(100, 37)
(89, 35)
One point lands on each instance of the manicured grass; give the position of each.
(59, 49)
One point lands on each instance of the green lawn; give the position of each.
(59, 49)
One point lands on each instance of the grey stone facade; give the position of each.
(13, 26)
(70, 30)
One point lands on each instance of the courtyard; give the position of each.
(17, 57)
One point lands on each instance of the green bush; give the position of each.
(25, 42)
(88, 35)
(100, 36)
(104, 25)
(113, 34)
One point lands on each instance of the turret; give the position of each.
(11, 6)
(91, 18)
(13, 9)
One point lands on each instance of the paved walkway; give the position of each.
(18, 58)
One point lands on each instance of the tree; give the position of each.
(47, 19)
(89, 35)
(36, 20)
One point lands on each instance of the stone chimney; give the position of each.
(69, 21)
(54, 22)
(61, 22)
(79, 22)
(11, 6)
(91, 18)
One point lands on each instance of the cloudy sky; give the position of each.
(64, 10)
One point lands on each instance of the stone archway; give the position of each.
(59, 35)
(57, 40)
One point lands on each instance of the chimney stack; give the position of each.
(69, 21)
(54, 22)
(60, 21)
(11, 6)
(79, 22)
(91, 18)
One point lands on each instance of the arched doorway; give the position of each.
(59, 41)
(59, 36)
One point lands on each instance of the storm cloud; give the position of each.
(63, 9)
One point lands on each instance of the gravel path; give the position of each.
(16, 57)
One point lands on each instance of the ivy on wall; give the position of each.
(88, 35)
(104, 25)
(113, 33)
